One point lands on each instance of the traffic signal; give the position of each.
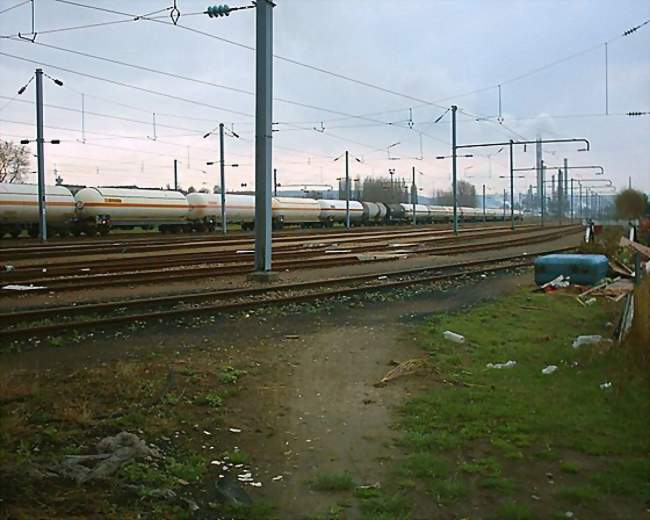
(215, 11)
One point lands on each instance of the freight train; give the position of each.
(93, 210)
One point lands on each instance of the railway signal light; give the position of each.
(215, 11)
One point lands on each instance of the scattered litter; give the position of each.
(9, 268)
(85, 269)
(291, 336)
(534, 497)
(559, 282)
(405, 368)
(452, 336)
(568, 514)
(329, 251)
(216, 462)
(507, 364)
(279, 477)
(590, 301)
(606, 385)
(549, 369)
(234, 430)
(256, 484)
(244, 251)
(384, 277)
(376, 485)
(18, 287)
(44, 270)
(206, 432)
(586, 340)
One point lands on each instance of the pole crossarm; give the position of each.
(507, 143)
(592, 167)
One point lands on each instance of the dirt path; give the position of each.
(321, 398)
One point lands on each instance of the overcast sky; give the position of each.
(433, 53)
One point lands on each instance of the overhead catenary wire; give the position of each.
(14, 6)
(355, 80)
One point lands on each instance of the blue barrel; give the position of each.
(580, 269)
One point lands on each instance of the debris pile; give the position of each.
(112, 453)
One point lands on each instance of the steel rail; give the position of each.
(53, 251)
(203, 272)
(115, 279)
(174, 259)
(31, 331)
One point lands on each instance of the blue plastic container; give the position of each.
(580, 269)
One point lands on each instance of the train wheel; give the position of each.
(104, 230)
(15, 233)
(33, 231)
(91, 232)
(76, 232)
(62, 233)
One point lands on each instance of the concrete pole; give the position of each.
(484, 215)
(505, 194)
(512, 188)
(413, 195)
(347, 189)
(453, 167)
(541, 191)
(263, 134)
(580, 199)
(560, 195)
(222, 171)
(275, 182)
(40, 146)
(175, 174)
(572, 203)
(566, 172)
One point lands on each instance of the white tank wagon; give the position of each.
(440, 213)
(332, 211)
(100, 209)
(374, 212)
(205, 210)
(19, 209)
(422, 213)
(293, 210)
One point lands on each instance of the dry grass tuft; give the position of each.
(78, 412)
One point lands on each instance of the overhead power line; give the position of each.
(127, 85)
(14, 6)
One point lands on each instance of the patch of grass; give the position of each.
(502, 485)
(519, 418)
(237, 456)
(425, 465)
(386, 507)
(332, 482)
(512, 510)
(578, 494)
(190, 468)
(367, 492)
(211, 399)
(230, 375)
(488, 466)
(449, 490)
(569, 467)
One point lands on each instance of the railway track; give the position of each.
(39, 322)
(62, 249)
(361, 244)
(241, 265)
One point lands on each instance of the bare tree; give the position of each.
(465, 191)
(630, 204)
(14, 162)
